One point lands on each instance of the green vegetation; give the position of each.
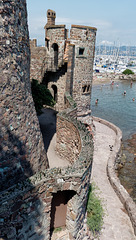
(128, 72)
(41, 96)
(95, 211)
(130, 63)
(58, 229)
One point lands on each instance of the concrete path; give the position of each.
(117, 225)
(47, 122)
(53, 158)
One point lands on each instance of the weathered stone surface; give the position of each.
(66, 64)
(25, 207)
(22, 151)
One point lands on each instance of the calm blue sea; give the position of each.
(115, 107)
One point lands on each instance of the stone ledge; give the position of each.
(83, 27)
(123, 195)
(54, 26)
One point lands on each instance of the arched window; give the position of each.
(54, 87)
(55, 48)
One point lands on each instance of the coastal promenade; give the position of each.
(117, 225)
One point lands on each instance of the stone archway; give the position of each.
(59, 208)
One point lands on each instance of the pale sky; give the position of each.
(115, 20)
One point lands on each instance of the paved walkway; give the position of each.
(53, 158)
(47, 122)
(117, 225)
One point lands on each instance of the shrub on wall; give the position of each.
(128, 72)
(41, 96)
(95, 211)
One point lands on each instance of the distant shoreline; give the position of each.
(103, 78)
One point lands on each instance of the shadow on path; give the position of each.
(47, 122)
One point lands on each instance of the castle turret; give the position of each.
(83, 37)
(22, 150)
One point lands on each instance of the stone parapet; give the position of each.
(75, 136)
(83, 27)
(123, 195)
(55, 26)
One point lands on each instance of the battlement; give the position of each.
(33, 43)
(54, 26)
(83, 27)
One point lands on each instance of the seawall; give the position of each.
(123, 195)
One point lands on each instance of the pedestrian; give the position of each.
(96, 101)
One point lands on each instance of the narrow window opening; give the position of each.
(88, 88)
(54, 87)
(47, 43)
(81, 51)
(55, 48)
(84, 89)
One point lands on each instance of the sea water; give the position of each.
(116, 107)
(119, 109)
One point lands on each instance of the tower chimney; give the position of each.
(51, 15)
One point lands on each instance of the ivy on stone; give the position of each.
(41, 96)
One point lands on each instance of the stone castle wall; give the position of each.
(78, 53)
(68, 140)
(27, 187)
(84, 40)
(38, 63)
(25, 208)
(60, 83)
(22, 150)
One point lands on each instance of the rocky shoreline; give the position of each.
(104, 78)
(127, 166)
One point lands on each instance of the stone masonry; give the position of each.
(27, 185)
(67, 64)
(22, 150)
